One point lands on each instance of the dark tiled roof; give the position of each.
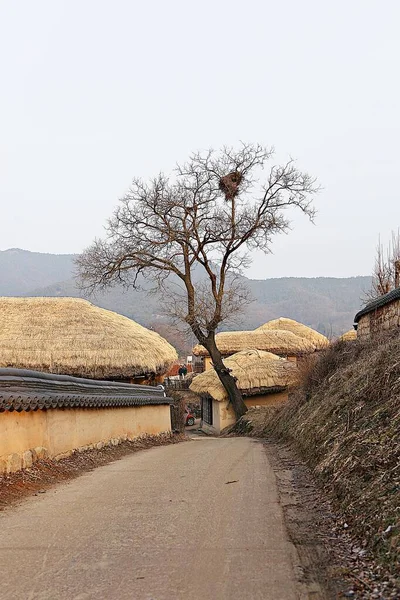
(23, 390)
(378, 303)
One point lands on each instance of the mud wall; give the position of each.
(46, 415)
(29, 436)
(380, 320)
(224, 416)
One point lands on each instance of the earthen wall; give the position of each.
(27, 436)
(382, 319)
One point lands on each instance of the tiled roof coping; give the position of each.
(378, 303)
(24, 390)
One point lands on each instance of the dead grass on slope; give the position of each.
(345, 421)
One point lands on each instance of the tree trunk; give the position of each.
(229, 383)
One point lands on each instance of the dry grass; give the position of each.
(284, 343)
(283, 324)
(74, 337)
(345, 421)
(256, 372)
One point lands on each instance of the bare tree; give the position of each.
(206, 218)
(386, 269)
(395, 258)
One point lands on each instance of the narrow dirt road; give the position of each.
(196, 520)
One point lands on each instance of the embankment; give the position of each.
(345, 422)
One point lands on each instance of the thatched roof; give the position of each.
(74, 337)
(303, 331)
(284, 343)
(257, 372)
(349, 336)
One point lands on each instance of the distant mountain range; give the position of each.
(327, 304)
(22, 271)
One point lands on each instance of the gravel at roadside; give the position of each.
(326, 545)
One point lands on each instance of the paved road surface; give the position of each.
(160, 524)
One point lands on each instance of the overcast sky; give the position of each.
(95, 92)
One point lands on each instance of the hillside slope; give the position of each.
(345, 422)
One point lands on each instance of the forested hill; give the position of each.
(325, 303)
(22, 271)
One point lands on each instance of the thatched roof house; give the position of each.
(74, 337)
(257, 373)
(262, 377)
(303, 331)
(349, 336)
(283, 343)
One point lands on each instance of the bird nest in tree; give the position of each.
(229, 184)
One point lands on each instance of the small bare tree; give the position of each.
(395, 258)
(191, 235)
(386, 269)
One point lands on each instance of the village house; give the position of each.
(284, 337)
(318, 340)
(380, 315)
(73, 337)
(66, 374)
(262, 377)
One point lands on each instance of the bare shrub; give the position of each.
(177, 412)
(385, 275)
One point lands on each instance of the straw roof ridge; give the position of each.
(275, 341)
(256, 372)
(74, 337)
(349, 336)
(303, 331)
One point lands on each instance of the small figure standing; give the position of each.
(182, 372)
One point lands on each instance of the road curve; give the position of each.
(196, 520)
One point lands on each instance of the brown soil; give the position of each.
(46, 473)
